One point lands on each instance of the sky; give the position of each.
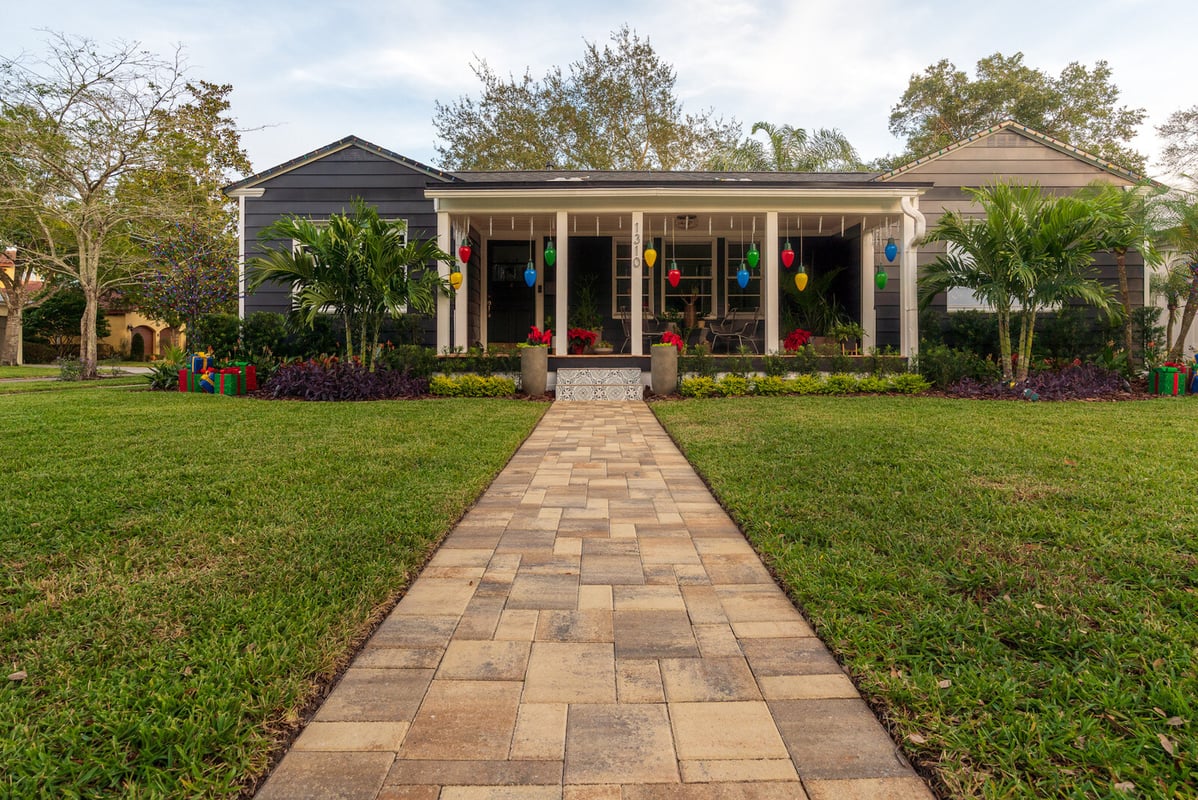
(305, 74)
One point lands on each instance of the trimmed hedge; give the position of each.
(471, 386)
(768, 385)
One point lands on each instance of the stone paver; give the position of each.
(595, 628)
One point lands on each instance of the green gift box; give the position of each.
(1167, 380)
(230, 382)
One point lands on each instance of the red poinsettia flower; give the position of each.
(537, 336)
(669, 337)
(797, 338)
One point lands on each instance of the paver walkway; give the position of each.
(595, 628)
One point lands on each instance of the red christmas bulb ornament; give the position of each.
(464, 251)
(788, 256)
(674, 275)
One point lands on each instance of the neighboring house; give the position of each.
(601, 224)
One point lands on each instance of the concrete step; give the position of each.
(599, 384)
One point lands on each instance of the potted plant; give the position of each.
(534, 362)
(848, 335)
(664, 363)
(580, 339)
(585, 313)
(602, 348)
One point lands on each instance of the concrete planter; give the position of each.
(664, 375)
(534, 370)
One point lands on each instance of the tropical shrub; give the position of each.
(732, 386)
(1077, 382)
(909, 383)
(471, 386)
(701, 386)
(418, 360)
(769, 385)
(944, 366)
(840, 383)
(806, 384)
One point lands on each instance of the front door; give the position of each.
(511, 304)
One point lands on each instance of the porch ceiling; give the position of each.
(684, 225)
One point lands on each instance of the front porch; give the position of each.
(588, 257)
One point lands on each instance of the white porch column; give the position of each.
(869, 309)
(461, 306)
(636, 300)
(561, 309)
(908, 274)
(769, 283)
(444, 234)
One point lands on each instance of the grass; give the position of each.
(180, 575)
(27, 372)
(24, 387)
(1014, 585)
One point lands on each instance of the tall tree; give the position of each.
(1180, 135)
(357, 266)
(614, 109)
(789, 149)
(99, 146)
(1179, 221)
(943, 105)
(192, 273)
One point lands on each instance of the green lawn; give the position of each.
(28, 372)
(179, 574)
(1015, 585)
(25, 387)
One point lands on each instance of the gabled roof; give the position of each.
(329, 149)
(1012, 125)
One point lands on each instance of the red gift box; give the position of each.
(183, 380)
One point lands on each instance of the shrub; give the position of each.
(805, 384)
(69, 369)
(769, 385)
(137, 348)
(840, 383)
(909, 383)
(806, 361)
(702, 386)
(416, 359)
(733, 386)
(263, 333)
(698, 361)
(776, 365)
(944, 366)
(873, 384)
(1080, 382)
(39, 353)
(973, 331)
(332, 379)
(219, 332)
(471, 386)
(163, 377)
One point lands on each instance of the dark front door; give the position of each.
(511, 304)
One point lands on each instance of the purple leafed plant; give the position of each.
(1082, 382)
(332, 379)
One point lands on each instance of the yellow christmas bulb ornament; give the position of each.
(650, 257)
(455, 280)
(801, 280)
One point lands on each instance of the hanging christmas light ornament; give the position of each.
(880, 278)
(455, 279)
(464, 251)
(753, 256)
(650, 255)
(788, 252)
(801, 278)
(742, 276)
(530, 275)
(674, 275)
(891, 250)
(550, 254)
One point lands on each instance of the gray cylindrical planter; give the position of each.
(664, 376)
(534, 370)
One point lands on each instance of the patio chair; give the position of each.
(725, 330)
(625, 318)
(748, 331)
(651, 330)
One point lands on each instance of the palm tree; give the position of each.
(1181, 235)
(980, 257)
(1029, 252)
(356, 265)
(790, 150)
(1173, 284)
(1127, 224)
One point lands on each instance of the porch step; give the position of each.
(600, 384)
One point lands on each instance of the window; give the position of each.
(696, 261)
(622, 280)
(961, 299)
(738, 299)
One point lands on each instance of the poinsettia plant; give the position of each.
(796, 339)
(669, 337)
(536, 336)
(580, 339)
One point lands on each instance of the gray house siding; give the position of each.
(1010, 156)
(327, 186)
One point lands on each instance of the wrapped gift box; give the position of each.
(201, 362)
(1167, 380)
(249, 376)
(230, 381)
(184, 380)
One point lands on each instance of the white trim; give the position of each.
(444, 233)
(636, 298)
(869, 303)
(561, 297)
(255, 192)
(241, 255)
(769, 284)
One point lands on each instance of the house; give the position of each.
(599, 228)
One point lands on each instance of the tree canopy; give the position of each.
(788, 149)
(1180, 135)
(615, 108)
(943, 105)
(101, 150)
